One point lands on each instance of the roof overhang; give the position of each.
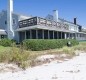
(44, 28)
(81, 32)
(3, 32)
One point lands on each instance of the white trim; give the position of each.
(44, 27)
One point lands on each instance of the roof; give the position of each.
(44, 28)
(17, 13)
(51, 16)
(22, 14)
(3, 32)
(68, 21)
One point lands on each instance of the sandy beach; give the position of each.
(73, 69)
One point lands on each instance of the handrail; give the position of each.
(41, 21)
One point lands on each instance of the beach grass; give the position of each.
(24, 58)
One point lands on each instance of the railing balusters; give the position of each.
(41, 21)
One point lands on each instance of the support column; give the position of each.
(65, 35)
(75, 35)
(48, 35)
(25, 34)
(18, 37)
(53, 34)
(36, 34)
(72, 35)
(57, 35)
(43, 34)
(61, 35)
(69, 36)
(30, 35)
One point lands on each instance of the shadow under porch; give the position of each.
(43, 34)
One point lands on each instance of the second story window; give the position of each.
(5, 22)
(14, 21)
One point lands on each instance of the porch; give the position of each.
(44, 34)
(39, 28)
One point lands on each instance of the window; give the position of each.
(2, 36)
(14, 21)
(5, 22)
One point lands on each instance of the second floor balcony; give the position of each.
(44, 22)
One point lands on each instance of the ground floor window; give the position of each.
(33, 32)
(27, 34)
(63, 35)
(55, 35)
(59, 35)
(21, 36)
(40, 34)
(3, 36)
(46, 34)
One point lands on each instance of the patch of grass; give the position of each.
(81, 46)
(3, 49)
(18, 56)
(69, 51)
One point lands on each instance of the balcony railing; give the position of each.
(41, 21)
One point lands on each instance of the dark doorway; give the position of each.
(63, 35)
(45, 34)
(51, 34)
(33, 32)
(27, 34)
(21, 36)
(59, 35)
(40, 34)
(55, 35)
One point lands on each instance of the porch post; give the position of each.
(18, 37)
(48, 35)
(53, 34)
(69, 36)
(65, 36)
(25, 34)
(36, 34)
(75, 36)
(43, 34)
(57, 35)
(61, 35)
(30, 34)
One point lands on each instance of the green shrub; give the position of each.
(40, 44)
(81, 46)
(5, 42)
(74, 42)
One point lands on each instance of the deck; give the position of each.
(42, 22)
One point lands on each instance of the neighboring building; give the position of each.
(84, 30)
(20, 27)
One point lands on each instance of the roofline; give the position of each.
(44, 28)
(22, 14)
(17, 13)
(2, 30)
(69, 21)
(48, 14)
